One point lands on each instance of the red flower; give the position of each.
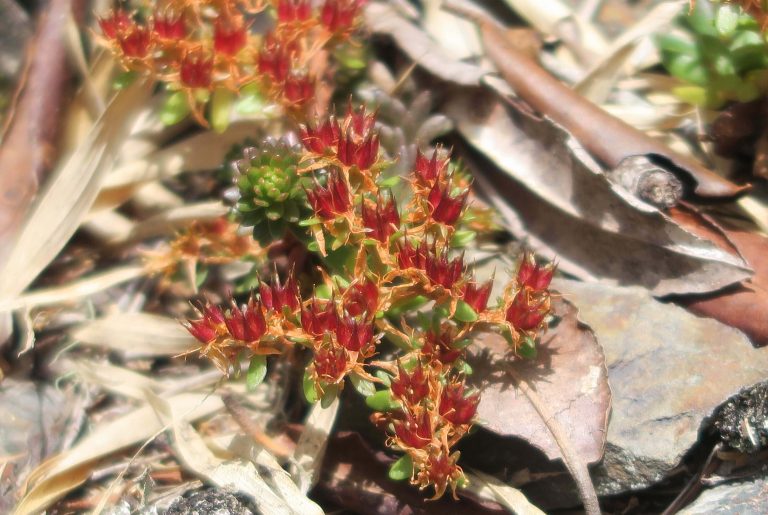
(382, 221)
(118, 22)
(339, 15)
(317, 320)
(277, 296)
(476, 295)
(319, 139)
(443, 207)
(298, 88)
(293, 10)
(525, 312)
(135, 43)
(229, 36)
(196, 70)
(354, 334)
(359, 122)
(414, 431)
(362, 297)
(532, 275)
(437, 345)
(331, 200)
(428, 170)
(168, 27)
(330, 363)
(410, 388)
(247, 323)
(455, 407)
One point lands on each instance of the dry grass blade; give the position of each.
(309, 452)
(601, 78)
(195, 454)
(74, 290)
(64, 472)
(138, 334)
(70, 193)
(169, 221)
(488, 487)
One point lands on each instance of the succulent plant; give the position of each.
(270, 187)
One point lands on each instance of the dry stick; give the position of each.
(606, 137)
(576, 466)
(242, 418)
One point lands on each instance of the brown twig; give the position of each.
(608, 138)
(573, 461)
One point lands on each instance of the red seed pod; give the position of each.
(362, 297)
(229, 35)
(409, 256)
(201, 330)
(116, 23)
(441, 270)
(293, 10)
(410, 388)
(277, 296)
(428, 170)
(331, 200)
(330, 363)
(437, 346)
(526, 313)
(360, 152)
(382, 221)
(443, 207)
(353, 334)
(166, 26)
(298, 88)
(455, 407)
(340, 15)
(135, 43)
(317, 319)
(325, 136)
(196, 70)
(275, 58)
(477, 295)
(414, 431)
(532, 275)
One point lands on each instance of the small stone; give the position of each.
(211, 501)
(744, 498)
(743, 420)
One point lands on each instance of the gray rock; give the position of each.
(745, 498)
(668, 371)
(211, 501)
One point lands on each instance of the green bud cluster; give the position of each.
(271, 193)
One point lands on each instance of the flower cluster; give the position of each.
(205, 46)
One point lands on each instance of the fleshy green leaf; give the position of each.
(465, 313)
(124, 80)
(174, 109)
(257, 371)
(330, 394)
(401, 469)
(364, 386)
(462, 238)
(308, 384)
(528, 348)
(251, 101)
(221, 107)
(727, 19)
(381, 401)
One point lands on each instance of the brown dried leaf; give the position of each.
(568, 374)
(569, 209)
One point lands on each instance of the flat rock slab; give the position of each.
(668, 371)
(744, 498)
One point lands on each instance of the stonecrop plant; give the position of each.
(394, 277)
(396, 305)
